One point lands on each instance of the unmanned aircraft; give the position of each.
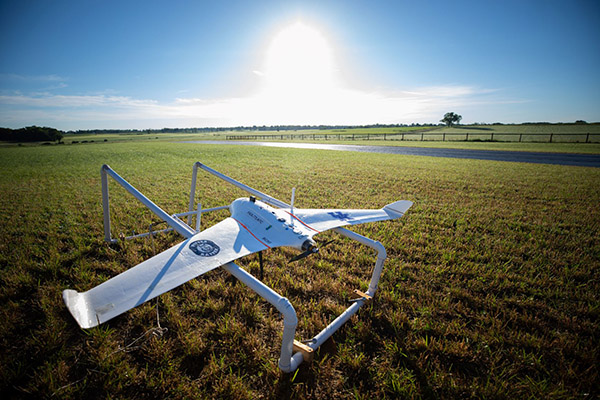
(257, 222)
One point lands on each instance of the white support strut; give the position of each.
(193, 193)
(287, 363)
(265, 197)
(381, 256)
(330, 329)
(179, 226)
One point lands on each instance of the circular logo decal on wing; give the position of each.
(205, 248)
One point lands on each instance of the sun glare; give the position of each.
(299, 59)
(299, 74)
(301, 85)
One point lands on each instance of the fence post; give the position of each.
(587, 138)
(551, 137)
(444, 137)
(421, 136)
(492, 138)
(402, 136)
(467, 139)
(520, 137)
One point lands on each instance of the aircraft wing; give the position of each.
(323, 219)
(207, 250)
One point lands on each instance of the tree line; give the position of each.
(242, 128)
(31, 134)
(46, 134)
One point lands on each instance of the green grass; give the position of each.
(583, 148)
(527, 133)
(530, 133)
(491, 288)
(528, 128)
(479, 137)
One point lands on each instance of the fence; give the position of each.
(433, 136)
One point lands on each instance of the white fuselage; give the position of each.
(271, 226)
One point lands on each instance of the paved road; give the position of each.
(580, 160)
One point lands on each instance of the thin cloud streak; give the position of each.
(60, 101)
(33, 78)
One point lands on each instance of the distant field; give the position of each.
(528, 128)
(88, 138)
(136, 137)
(479, 137)
(525, 133)
(544, 133)
(491, 288)
(400, 136)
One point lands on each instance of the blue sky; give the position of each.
(151, 64)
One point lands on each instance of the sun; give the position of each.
(299, 75)
(299, 59)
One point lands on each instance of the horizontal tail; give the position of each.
(398, 207)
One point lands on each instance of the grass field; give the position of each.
(455, 137)
(526, 133)
(530, 133)
(491, 288)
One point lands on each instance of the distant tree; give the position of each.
(581, 122)
(31, 134)
(6, 134)
(38, 134)
(451, 118)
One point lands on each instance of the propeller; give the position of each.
(307, 253)
(310, 249)
(323, 244)
(308, 246)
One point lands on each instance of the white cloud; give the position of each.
(60, 101)
(33, 78)
(336, 106)
(40, 83)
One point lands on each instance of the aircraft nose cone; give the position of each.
(308, 244)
